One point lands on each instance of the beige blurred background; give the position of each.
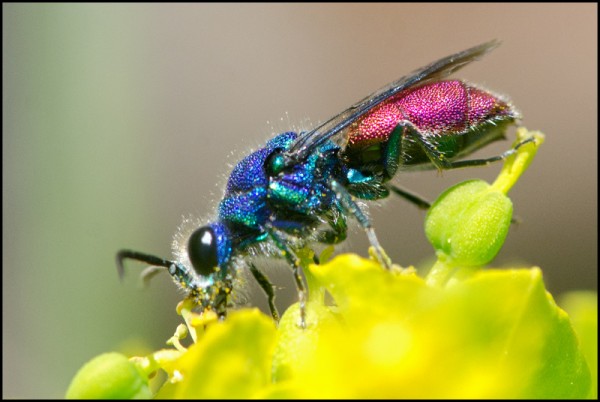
(119, 119)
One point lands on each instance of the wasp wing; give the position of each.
(307, 142)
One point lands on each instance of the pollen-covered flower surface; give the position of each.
(497, 334)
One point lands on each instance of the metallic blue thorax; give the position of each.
(292, 200)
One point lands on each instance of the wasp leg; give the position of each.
(316, 259)
(347, 202)
(409, 196)
(338, 231)
(391, 151)
(267, 286)
(487, 161)
(296, 264)
(442, 161)
(424, 204)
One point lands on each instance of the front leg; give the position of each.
(267, 286)
(296, 264)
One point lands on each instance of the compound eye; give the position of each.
(275, 163)
(202, 250)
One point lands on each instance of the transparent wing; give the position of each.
(308, 141)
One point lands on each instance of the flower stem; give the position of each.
(516, 164)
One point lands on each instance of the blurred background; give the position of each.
(121, 119)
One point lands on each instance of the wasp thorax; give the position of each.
(203, 251)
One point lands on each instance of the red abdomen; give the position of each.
(451, 107)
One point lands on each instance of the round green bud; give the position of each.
(109, 376)
(468, 223)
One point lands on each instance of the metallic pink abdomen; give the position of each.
(451, 107)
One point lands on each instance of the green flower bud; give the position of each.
(468, 223)
(109, 376)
